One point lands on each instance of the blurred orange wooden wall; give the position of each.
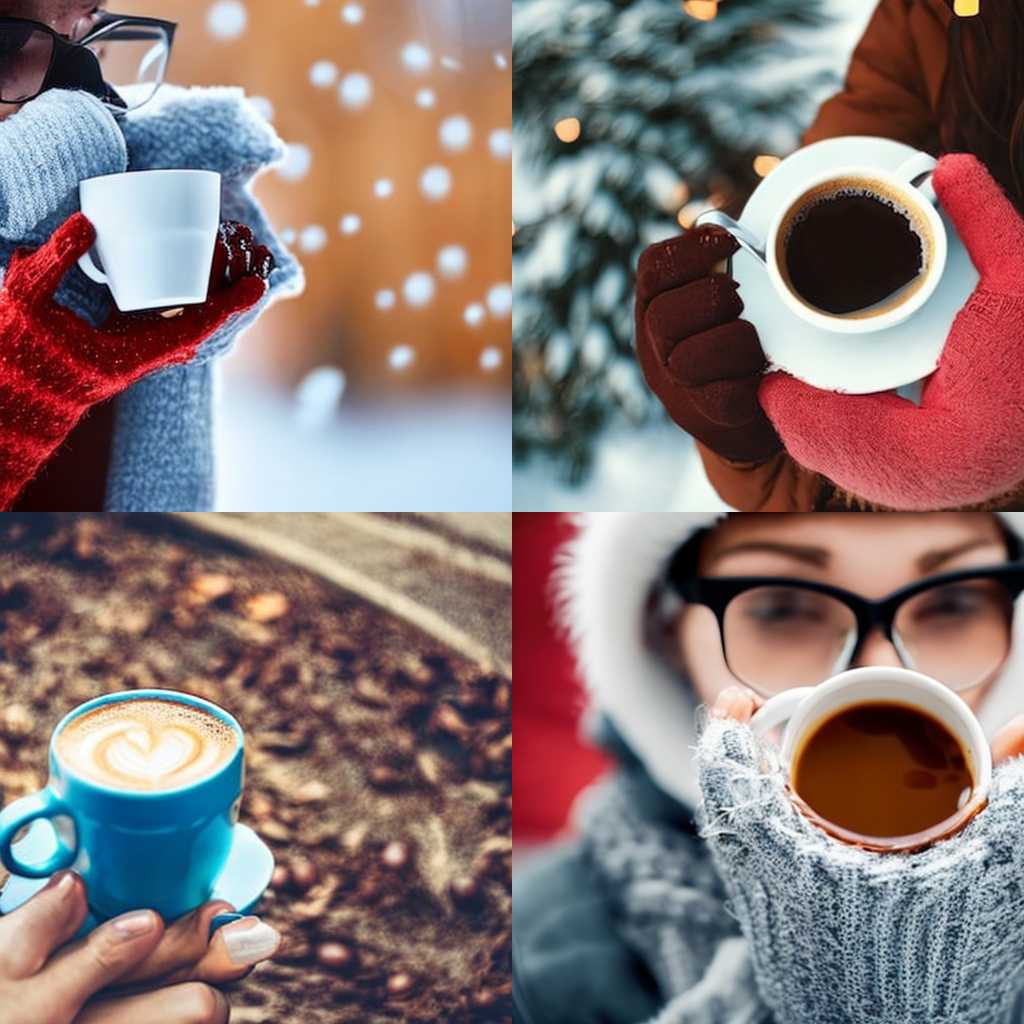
(269, 47)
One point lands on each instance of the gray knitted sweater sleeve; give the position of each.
(43, 162)
(842, 936)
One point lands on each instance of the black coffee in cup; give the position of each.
(882, 768)
(851, 247)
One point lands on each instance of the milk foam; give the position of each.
(146, 744)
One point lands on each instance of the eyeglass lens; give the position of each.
(25, 55)
(778, 637)
(134, 56)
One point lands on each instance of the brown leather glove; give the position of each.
(703, 362)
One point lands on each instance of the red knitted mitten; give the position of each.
(54, 365)
(962, 446)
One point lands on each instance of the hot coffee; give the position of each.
(882, 769)
(146, 744)
(852, 247)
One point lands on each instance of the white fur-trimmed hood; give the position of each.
(605, 585)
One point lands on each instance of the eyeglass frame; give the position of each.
(62, 45)
(717, 592)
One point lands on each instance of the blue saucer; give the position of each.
(242, 882)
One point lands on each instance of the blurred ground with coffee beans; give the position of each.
(368, 658)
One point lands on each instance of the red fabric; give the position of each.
(702, 362)
(550, 764)
(962, 446)
(54, 365)
(74, 477)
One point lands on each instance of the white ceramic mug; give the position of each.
(155, 235)
(801, 710)
(919, 202)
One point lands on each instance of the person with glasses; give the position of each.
(101, 410)
(694, 891)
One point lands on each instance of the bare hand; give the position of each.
(47, 979)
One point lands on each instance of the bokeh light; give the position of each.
(436, 182)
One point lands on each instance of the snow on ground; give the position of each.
(448, 453)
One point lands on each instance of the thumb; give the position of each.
(987, 222)
(35, 276)
(83, 968)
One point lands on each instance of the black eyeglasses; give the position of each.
(130, 51)
(778, 633)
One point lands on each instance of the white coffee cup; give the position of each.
(155, 235)
(918, 200)
(801, 710)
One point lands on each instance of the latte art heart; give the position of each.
(142, 753)
(146, 744)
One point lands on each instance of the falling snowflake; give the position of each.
(355, 90)
(456, 133)
(499, 300)
(474, 314)
(318, 395)
(500, 60)
(323, 74)
(416, 57)
(384, 299)
(451, 64)
(418, 289)
(490, 358)
(501, 143)
(263, 107)
(297, 161)
(426, 98)
(452, 261)
(436, 182)
(312, 238)
(352, 13)
(401, 357)
(288, 236)
(383, 188)
(226, 19)
(350, 223)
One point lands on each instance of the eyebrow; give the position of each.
(931, 560)
(818, 557)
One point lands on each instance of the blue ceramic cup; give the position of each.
(160, 849)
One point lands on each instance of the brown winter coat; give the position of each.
(892, 90)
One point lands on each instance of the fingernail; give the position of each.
(131, 926)
(250, 940)
(62, 883)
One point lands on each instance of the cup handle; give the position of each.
(747, 239)
(778, 709)
(44, 804)
(920, 165)
(90, 269)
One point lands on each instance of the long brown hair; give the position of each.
(981, 109)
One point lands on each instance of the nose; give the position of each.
(875, 649)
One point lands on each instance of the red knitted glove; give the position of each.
(54, 365)
(963, 445)
(698, 357)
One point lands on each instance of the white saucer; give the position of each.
(854, 363)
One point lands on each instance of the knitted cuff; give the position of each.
(46, 149)
(842, 935)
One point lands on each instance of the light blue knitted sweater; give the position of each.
(162, 457)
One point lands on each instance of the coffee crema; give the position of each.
(146, 744)
(882, 768)
(853, 248)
